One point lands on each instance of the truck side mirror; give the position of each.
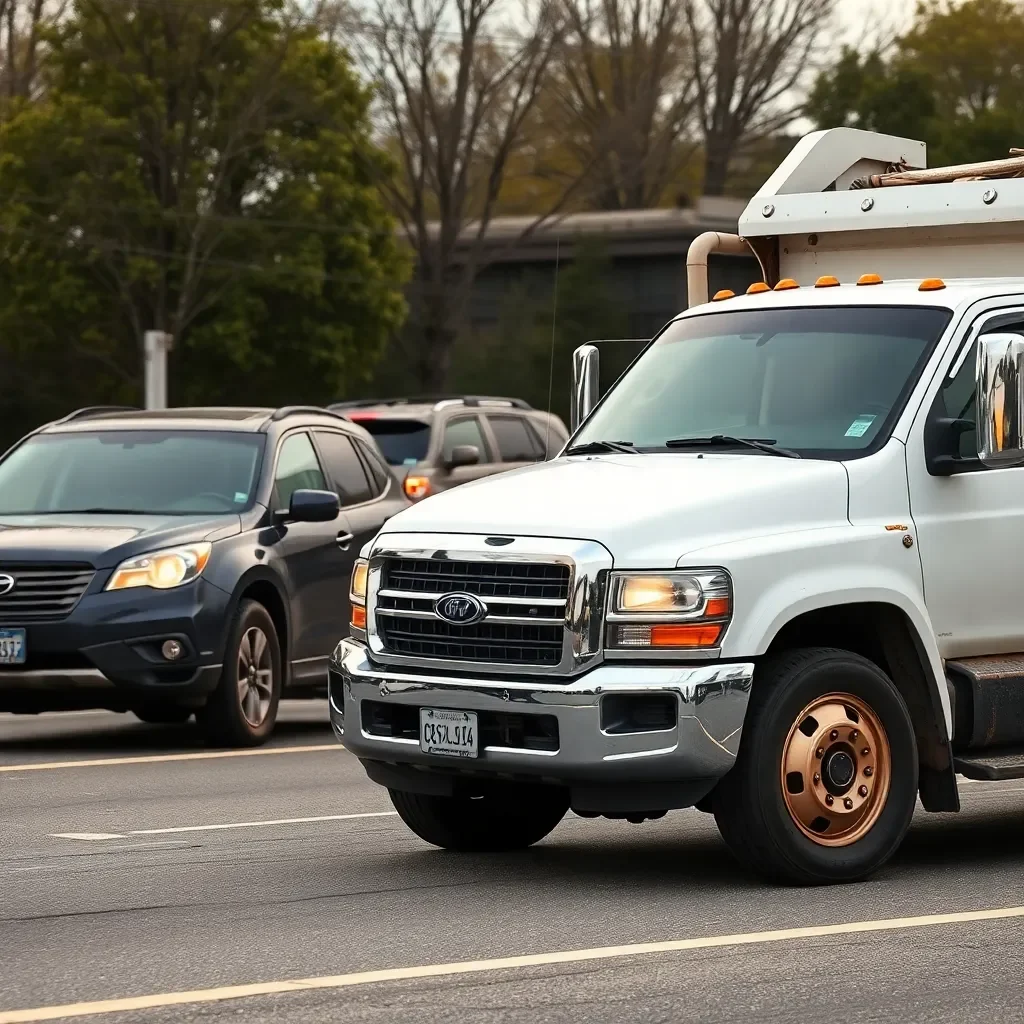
(999, 376)
(586, 383)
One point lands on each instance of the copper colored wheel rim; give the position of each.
(836, 768)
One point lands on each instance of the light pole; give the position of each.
(157, 345)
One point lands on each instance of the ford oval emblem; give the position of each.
(460, 609)
(6, 583)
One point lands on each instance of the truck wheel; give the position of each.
(242, 711)
(507, 820)
(825, 783)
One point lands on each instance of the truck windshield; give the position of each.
(826, 382)
(150, 472)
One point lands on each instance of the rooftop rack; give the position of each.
(95, 410)
(436, 401)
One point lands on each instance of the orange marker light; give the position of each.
(723, 294)
(931, 284)
(359, 617)
(685, 635)
(786, 284)
(869, 279)
(828, 281)
(757, 287)
(417, 487)
(717, 607)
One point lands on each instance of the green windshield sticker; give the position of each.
(240, 497)
(859, 427)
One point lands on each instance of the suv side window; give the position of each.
(958, 397)
(297, 469)
(463, 431)
(375, 468)
(343, 466)
(516, 443)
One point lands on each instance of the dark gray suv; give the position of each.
(435, 443)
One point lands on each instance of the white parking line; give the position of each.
(212, 755)
(338, 981)
(93, 837)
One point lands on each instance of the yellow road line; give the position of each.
(46, 766)
(337, 981)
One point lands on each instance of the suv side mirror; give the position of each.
(462, 455)
(999, 376)
(312, 507)
(586, 383)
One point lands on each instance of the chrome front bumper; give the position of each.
(701, 746)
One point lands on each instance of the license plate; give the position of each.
(12, 647)
(452, 733)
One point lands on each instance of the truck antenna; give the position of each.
(551, 367)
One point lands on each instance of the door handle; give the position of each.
(344, 539)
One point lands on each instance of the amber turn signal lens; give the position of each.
(869, 279)
(827, 281)
(931, 284)
(685, 635)
(757, 287)
(724, 293)
(359, 617)
(717, 607)
(417, 487)
(786, 284)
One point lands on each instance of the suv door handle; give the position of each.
(344, 539)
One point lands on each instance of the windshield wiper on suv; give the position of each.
(595, 447)
(728, 441)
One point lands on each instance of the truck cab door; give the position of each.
(969, 524)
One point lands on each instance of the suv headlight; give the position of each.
(684, 610)
(357, 593)
(161, 570)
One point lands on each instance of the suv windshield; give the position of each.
(403, 442)
(151, 472)
(826, 382)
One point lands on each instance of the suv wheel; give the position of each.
(508, 819)
(825, 783)
(242, 711)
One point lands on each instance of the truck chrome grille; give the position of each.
(525, 601)
(43, 593)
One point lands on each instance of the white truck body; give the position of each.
(902, 554)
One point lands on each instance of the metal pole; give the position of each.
(156, 344)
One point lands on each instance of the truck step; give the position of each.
(991, 765)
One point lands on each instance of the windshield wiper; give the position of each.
(728, 441)
(98, 510)
(595, 447)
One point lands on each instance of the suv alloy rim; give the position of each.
(836, 767)
(255, 676)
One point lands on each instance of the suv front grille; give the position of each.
(43, 593)
(525, 601)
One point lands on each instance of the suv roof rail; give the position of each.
(296, 410)
(436, 401)
(95, 410)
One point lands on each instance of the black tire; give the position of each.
(167, 714)
(223, 720)
(507, 819)
(749, 804)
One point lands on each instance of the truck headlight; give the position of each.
(666, 610)
(161, 570)
(357, 592)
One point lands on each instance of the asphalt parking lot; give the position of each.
(144, 878)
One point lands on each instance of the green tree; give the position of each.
(203, 169)
(954, 79)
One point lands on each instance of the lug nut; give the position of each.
(863, 791)
(834, 734)
(848, 804)
(869, 771)
(820, 752)
(830, 800)
(853, 736)
(817, 779)
(865, 752)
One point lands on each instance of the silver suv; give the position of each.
(437, 443)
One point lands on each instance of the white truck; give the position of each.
(777, 573)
